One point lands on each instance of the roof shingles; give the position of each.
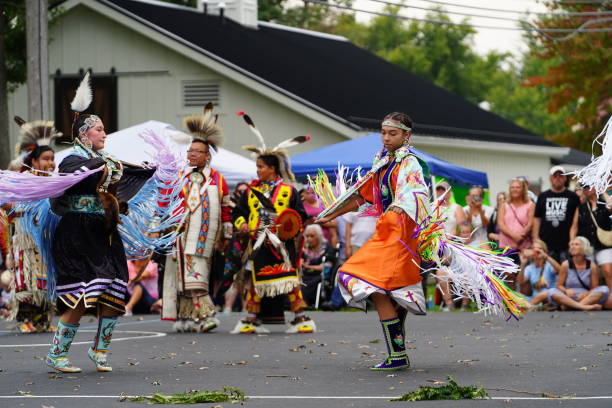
(334, 75)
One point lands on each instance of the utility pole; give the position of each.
(5, 145)
(38, 58)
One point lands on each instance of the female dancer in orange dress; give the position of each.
(387, 267)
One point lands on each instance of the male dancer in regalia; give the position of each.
(206, 227)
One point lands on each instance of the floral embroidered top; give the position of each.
(398, 180)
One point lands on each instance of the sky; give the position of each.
(486, 39)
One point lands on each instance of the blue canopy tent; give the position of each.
(360, 152)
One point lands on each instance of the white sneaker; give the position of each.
(249, 327)
(302, 325)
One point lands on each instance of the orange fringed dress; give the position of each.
(388, 262)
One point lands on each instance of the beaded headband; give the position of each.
(398, 125)
(89, 123)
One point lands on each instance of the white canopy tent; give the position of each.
(127, 146)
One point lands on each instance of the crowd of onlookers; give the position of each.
(560, 238)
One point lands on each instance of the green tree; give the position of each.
(441, 53)
(513, 98)
(578, 77)
(12, 65)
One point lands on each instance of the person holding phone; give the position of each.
(478, 215)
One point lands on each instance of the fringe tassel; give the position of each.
(40, 222)
(158, 206)
(271, 289)
(25, 187)
(476, 273)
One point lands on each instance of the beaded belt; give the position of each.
(85, 204)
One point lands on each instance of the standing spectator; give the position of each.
(556, 215)
(515, 221)
(314, 208)
(315, 250)
(455, 217)
(493, 229)
(577, 286)
(532, 196)
(478, 215)
(358, 231)
(593, 214)
(454, 212)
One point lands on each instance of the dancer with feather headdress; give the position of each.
(206, 227)
(271, 214)
(102, 210)
(31, 307)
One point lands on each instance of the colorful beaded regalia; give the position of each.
(397, 180)
(102, 211)
(271, 257)
(207, 221)
(31, 307)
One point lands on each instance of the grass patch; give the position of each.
(450, 391)
(225, 394)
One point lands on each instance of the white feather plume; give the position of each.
(82, 98)
(598, 174)
(180, 137)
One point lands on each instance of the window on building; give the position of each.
(104, 103)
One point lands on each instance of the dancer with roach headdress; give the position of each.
(207, 227)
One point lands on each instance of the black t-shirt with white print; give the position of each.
(556, 212)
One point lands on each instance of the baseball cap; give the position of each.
(555, 169)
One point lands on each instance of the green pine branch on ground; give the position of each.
(225, 394)
(450, 391)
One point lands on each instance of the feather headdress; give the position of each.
(82, 98)
(279, 150)
(205, 127)
(31, 135)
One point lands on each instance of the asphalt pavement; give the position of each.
(556, 354)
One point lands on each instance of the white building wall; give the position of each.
(501, 166)
(84, 39)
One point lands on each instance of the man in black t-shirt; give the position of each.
(556, 215)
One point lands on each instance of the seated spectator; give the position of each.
(577, 286)
(315, 250)
(478, 215)
(592, 214)
(6, 281)
(142, 286)
(538, 272)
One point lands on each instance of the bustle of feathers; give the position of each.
(83, 97)
(205, 126)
